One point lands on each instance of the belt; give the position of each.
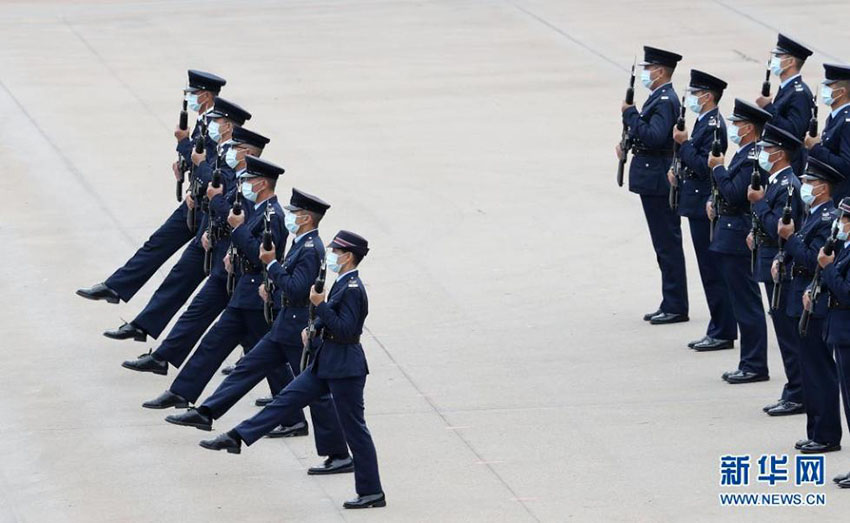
(833, 304)
(764, 240)
(289, 303)
(639, 151)
(724, 209)
(801, 271)
(329, 336)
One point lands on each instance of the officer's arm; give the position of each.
(249, 244)
(734, 190)
(184, 149)
(807, 256)
(343, 323)
(656, 132)
(840, 161)
(221, 203)
(838, 285)
(768, 216)
(796, 121)
(297, 285)
(695, 156)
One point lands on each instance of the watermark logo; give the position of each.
(737, 470)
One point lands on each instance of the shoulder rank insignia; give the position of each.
(785, 181)
(712, 121)
(798, 87)
(309, 244)
(353, 283)
(665, 97)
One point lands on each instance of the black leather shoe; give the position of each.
(127, 331)
(299, 429)
(166, 400)
(745, 377)
(841, 477)
(333, 466)
(373, 500)
(99, 292)
(813, 447)
(787, 408)
(222, 442)
(262, 402)
(844, 483)
(646, 317)
(666, 318)
(191, 418)
(692, 343)
(773, 406)
(710, 344)
(728, 373)
(801, 443)
(227, 370)
(147, 363)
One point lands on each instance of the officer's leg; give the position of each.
(304, 389)
(789, 345)
(820, 384)
(161, 246)
(194, 322)
(665, 229)
(327, 431)
(722, 325)
(178, 286)
(214, 348)
(348, 398)
(748, 308)
(277, 377)
(842, 360)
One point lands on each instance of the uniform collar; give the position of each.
(301, 236)
(341, 277)
(775, 175)
(789, 80)
(700, 117)
(835, 112)
(660, 87)
(816, 207)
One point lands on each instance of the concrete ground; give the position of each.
(472, 142)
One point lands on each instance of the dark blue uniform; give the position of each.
(834, 148)
(836, 279)
(695, 191)
(768, 211)
(651, 133)
(339, 368)
(730, 247)
(242, 322)
(820, 380)
(792, 110)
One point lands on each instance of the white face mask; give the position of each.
(843, 233)
(807, 194)
(248, 192)
(646, 78)
(733, 133)
(230, 158)
(290, 220)
(332, 259)
(764, 160)
(693, 103)
(192, 102)
(214, 130)
(776, 65)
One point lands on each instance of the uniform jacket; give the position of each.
(730, 234)
(792, 110)
(343, 315)
(834, 149)
(836, 278)
(652, 129)
(294, 277)
(696, 182)
(769, 211)
(801, 249)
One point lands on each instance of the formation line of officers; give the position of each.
(255, 293)
(776, 212)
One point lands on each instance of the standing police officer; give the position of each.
(730, 237)
(833, 145)
(704, 93)
(649, 131)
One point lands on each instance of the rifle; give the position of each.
(813, 123)
(307, 353)
(673, 199)
(755, 183)
(780, 256)
(268, 309)
(765, 86)
(212, 229)
(715, 151)
(232, 252)
(625, 141)
(194, 182)
(815, 286)
(181, 162)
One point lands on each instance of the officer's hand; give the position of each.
(197, 157)
(807, 300)
(227, 265)
(824, 260)
(680, 136)
(181, 134)
(205, 241)
(315, 297)
(625, 106)
(235, 220)
(213, 192)
(774, 270)
(709, 210)
(714, 161)
(266, 256)
(304, 337)
(762, 101)
(810, 142)
(618, 150)
(263, 294)
(755, 196)
(751, 242)
(190, 202)
(672, 178)
(176, 168)
(785, 231)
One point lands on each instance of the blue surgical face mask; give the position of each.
(826, 95)
(192, 102)
(693, 103)
(646, 78)
(776, 65)
(230, 158)
(290, 221)
(248, 192)
(807, 194)
(732, 132)
(332, 259)
(764, 160)
(214, 130)
(843, 234)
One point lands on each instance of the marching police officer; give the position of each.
(649, 131)
(777, 147)
(820, 381)
(124, 283)
(833, 145)
(730, 238)
(188, 272)
(792, 106)
(704, 93)
(213, 296)
(339, 367)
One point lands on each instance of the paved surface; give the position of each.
(471, 142)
